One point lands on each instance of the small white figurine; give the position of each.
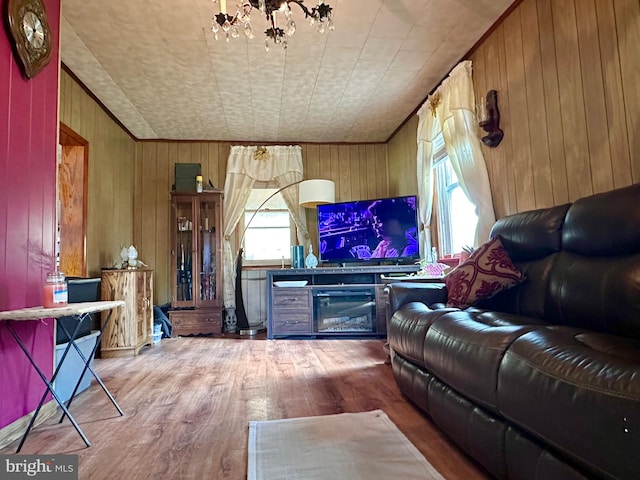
(311, 261)
(132, 254)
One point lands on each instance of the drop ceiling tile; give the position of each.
(315, 89)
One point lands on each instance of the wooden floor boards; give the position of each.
(188, 401)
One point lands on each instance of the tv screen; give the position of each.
(384, 229)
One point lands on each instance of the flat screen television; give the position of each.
(383, 230)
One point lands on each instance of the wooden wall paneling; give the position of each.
(371, 171)
(148, 205)
(504, 103)
(520, 138)
(402, 152)
(75, 101)
(344, 171)
(555, 134)
(66, 93)
(111, 173)
(196, 154)
(480, 88)
(572, 100)
(628, 26)
(334, 170)
(162, 230)
(495, 157)
(137, 195)
(382, 171)
(363, 170)
(312, 170)
(540, 164)
(324, 167)
(173, 159)
(223, 156)
(184, 153)
(98, 232)
(613, 95)
(311, 161)
(210, 159)
(355, 174)
(594, 104)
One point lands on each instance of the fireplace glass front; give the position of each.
(350, 310)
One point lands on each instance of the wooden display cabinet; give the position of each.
(196, 263)
(131, 327)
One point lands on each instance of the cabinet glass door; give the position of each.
(184, 252)
(208, 251)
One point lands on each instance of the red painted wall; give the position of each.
(28, 145)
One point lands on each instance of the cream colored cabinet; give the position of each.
(131, 327)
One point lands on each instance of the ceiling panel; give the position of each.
(158, 68)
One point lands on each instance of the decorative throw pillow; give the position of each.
(486, 272)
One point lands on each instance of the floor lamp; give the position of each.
(311, 193)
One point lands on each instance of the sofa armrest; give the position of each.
(405, 292)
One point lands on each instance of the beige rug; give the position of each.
(347, 446)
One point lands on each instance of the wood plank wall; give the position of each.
(402, 151)
(567, 74)
(28, 138)
(111, 175)
(360, 171)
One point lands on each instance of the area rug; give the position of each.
(346, 446)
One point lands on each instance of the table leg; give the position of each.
(49, 384)
(87, 366)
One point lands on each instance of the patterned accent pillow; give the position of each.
(486, 272)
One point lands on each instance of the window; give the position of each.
(456, 215)
(271, 232)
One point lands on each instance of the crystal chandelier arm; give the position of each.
(323, 10)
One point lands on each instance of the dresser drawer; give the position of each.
(193, 322)
(291, 322)
(291, 298)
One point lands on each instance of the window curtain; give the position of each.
(428, 130)
(451, 110)
(246, 166)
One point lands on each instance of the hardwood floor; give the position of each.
(188, 401)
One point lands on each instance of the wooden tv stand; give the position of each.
(335, 302)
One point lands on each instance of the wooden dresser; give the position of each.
(131, 327)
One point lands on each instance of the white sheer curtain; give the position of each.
(428, 130)
(245, 166)
(451, 110)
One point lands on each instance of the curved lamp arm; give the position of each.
(318, 192)
(246, 227)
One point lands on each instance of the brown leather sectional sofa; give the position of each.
(541, 381)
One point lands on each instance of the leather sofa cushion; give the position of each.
(526, 460)
(464, 349)
(531, 235)
(611, 304)
(606, 224)
(578, 391)
(528, 298)
(408, 328)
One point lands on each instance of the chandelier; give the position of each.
(320, 16)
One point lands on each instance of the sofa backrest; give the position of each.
(582, 263)
(532, 239)
(595, 281)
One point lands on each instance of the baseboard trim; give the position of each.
(15, 430)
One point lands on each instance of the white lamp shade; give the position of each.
(316, 192)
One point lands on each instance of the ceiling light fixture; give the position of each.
(320, 16)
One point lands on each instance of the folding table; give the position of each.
(82, 312)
